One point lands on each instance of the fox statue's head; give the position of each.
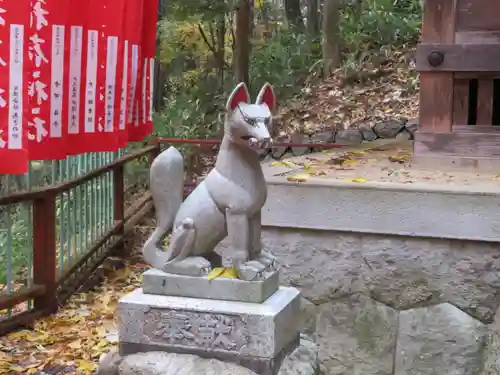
(248, 123)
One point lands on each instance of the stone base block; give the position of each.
(158, 282)
(255, 335)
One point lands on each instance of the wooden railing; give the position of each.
(50, 286)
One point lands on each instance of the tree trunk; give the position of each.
(242, 38)
(160, 75)
(220, 48)
(331, 36)
(293, 15)
(313, 17)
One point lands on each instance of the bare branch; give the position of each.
(210, 46)
(212, 33)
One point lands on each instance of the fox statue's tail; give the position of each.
(166, 182)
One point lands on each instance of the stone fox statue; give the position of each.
(226, 204)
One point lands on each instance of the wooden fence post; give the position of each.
(119, 203)
(153, 154)
(44, 251)
(119, 192)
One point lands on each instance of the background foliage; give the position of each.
(196, 85)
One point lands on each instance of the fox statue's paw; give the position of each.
(191, 266)
(251, 270)
(268, 260)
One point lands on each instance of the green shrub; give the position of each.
(283, 61)
(374, 23)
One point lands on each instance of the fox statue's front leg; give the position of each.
(256, 252)
(244, 234)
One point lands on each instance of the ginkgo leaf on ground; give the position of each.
(318, 172)
(301, 177)
(350, 163)
(229, 273)
(86, 366)
(283, 163)
(358, 180)
(216, 272)
(399, 158)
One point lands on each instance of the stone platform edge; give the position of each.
(160, 283)
(417, 210)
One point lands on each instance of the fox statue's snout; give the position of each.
(259, 136)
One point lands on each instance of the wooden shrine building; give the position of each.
(459, 64)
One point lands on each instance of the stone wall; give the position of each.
(394, 128)
(394, 304)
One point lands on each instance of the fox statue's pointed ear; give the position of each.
(239, 95)
(267, 96)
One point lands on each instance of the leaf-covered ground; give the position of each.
(373, 91)
(71, 341)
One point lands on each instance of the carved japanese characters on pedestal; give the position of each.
(227, 203)
(196, 329)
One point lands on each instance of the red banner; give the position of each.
(133, 33)
(75, 76)
(149, 49)
(125, 78)
(114, 72)
(136, 132)
(74, 100)
(100, 91)
(47, 50)
(14, 25)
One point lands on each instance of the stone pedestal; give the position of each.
(256, 335)
(158, 282)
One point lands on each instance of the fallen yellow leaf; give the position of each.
(351, 163)
(317, 173)
(399, 158)
(497, 176)
(216, 272)
(301, 177)
(86, 366)
(358, 180)
(356, 153)
(229, 273)
(19, 335)
(283, 163)
(16, 368)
